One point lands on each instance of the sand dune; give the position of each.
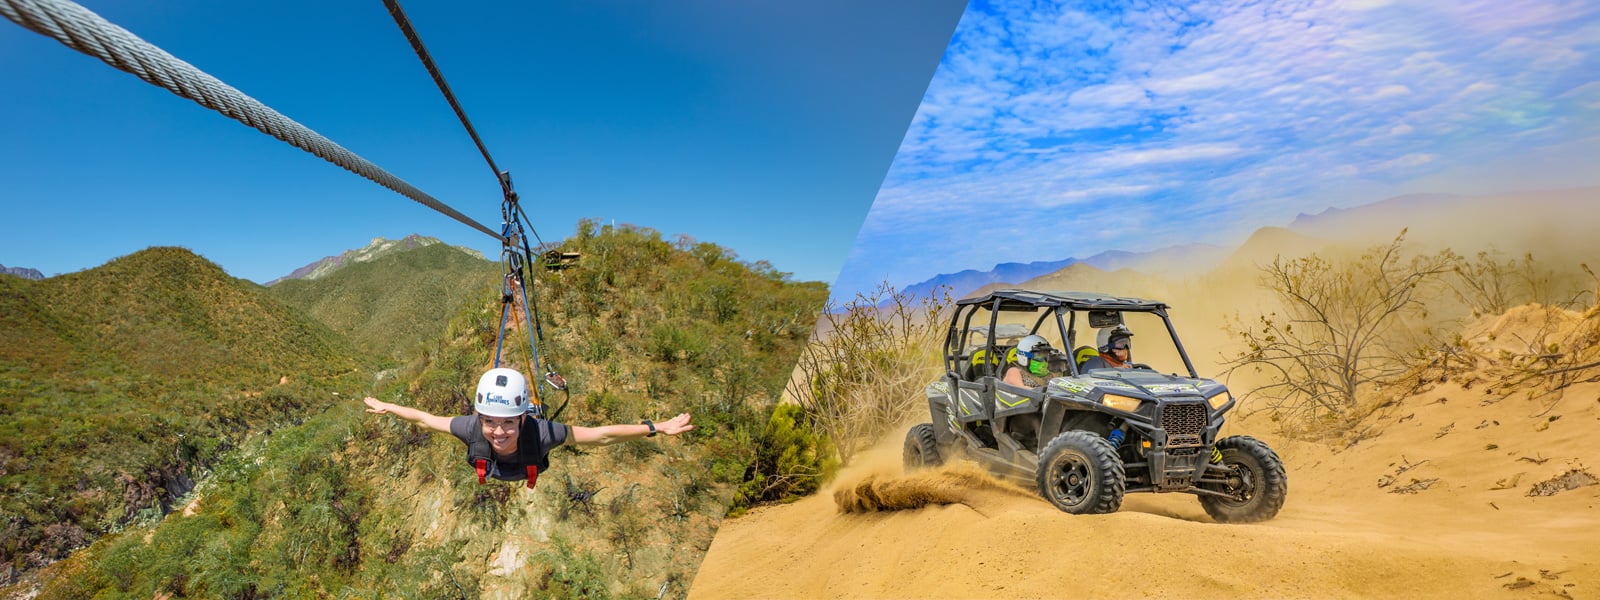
(1457, 490)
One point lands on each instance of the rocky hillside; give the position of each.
(120, 385)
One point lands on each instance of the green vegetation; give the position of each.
(122, 384)
(360, 505)
(861, 375)
(391, 304)
(793, 459)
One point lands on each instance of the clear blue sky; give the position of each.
(764, 127)
(1059, 130)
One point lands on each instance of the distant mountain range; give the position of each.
(1556, 222)
(379, 248)
(1184, 258)
(22, 272)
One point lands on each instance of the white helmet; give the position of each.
(502, 392)
(1108, 335)
(1027, 346)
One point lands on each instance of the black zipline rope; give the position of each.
(438, 78)
(83, 30)
(426, 57)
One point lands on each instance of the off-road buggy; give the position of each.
(1088, 438)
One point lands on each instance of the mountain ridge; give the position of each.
(377, 248)
(391, 302)
(23, 272)
(1189, 257)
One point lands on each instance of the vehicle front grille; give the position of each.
(1184, 423)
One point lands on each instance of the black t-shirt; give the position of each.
(511, 468)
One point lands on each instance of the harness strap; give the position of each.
(533, 475)
(483, 469)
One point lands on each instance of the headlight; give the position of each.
(1219, 400)
(1122, 403)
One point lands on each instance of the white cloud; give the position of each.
(1410, 160)
(1128, 158)
(1390, 91)
(1218, 114)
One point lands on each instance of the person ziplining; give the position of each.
(506, 441)
(508, 436)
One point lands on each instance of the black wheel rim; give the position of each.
(1069, 480)
(1241, 483)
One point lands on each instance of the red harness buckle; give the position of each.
(483, 469)
(533, 475)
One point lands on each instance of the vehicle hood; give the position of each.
(1145, 384)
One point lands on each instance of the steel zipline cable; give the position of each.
(83, 30)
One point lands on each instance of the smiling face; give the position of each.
(501, 432)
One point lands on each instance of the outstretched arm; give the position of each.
(611, 434)
(432, 422)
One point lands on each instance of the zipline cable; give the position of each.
(438, 78)
(83, 30)
(426, 57)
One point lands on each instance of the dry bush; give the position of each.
(1342, 328)
(1490, 285)
(867, 363)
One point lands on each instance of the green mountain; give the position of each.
(364, 505)
(395, 301)
(121, 384)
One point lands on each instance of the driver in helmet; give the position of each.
(1115, 347)
(1030, 363)
(505, 442)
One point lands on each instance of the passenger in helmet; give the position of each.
(1030, 363)
(504, 441)
(1116, 350)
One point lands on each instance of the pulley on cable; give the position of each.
(517, 256)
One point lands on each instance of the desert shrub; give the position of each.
(865, 367)
(1340, 328)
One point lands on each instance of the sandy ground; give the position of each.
(1434, 502)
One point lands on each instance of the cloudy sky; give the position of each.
(765, 127)
(1056, 130)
